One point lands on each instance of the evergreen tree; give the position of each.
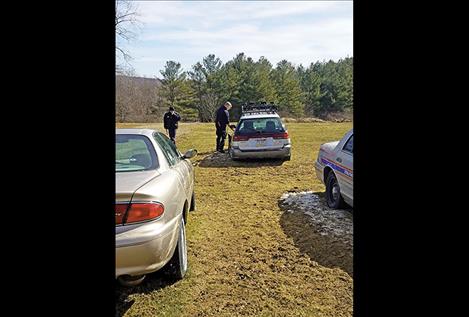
(322, 88)
(263, 81)
(175, 90)
(288, 88)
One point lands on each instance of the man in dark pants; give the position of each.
(170, 121)
(222, 119)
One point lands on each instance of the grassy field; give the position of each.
(244, 257)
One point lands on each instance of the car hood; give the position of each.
(128, 182)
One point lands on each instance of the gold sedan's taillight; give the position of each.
(138, 212)
(120, 213)
(143, 212)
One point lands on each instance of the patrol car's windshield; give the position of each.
(260, 125)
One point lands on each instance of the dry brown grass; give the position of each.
(242, 260)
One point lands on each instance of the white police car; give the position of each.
(334, 167)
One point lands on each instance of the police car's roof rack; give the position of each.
(258, 108)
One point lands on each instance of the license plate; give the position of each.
(260, 143)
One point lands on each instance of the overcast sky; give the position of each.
(301, 32)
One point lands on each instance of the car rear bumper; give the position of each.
(319, 168)
(280, 153)
(143, 251)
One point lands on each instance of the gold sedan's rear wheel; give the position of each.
(129, 281)
(177, 266)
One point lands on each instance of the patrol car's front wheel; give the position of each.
(333, 197)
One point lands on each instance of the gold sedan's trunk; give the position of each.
(128, 182)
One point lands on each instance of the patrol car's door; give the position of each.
(345, 160)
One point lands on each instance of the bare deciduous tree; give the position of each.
(124, 96)
(137, 98)
(126, 25)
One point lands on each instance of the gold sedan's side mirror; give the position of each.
(190, 154)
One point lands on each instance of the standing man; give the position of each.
(222, 119)
(170, 121)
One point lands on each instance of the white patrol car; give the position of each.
(260, 133)
(334, 167)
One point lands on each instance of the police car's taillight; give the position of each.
(240, 138)
(283, 135)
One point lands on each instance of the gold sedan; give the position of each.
(154, 193)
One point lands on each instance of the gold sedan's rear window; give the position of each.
(134, 153)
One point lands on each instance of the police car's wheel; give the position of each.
(333, 197)
(177, 266)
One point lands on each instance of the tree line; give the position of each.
(317, 90)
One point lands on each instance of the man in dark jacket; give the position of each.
(170, 121)
(222, 119)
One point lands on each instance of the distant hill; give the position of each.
(137, 99)
(141, 80)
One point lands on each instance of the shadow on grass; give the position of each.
(219, 160)
(151, 283)
(325, 249)
(204, 153)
